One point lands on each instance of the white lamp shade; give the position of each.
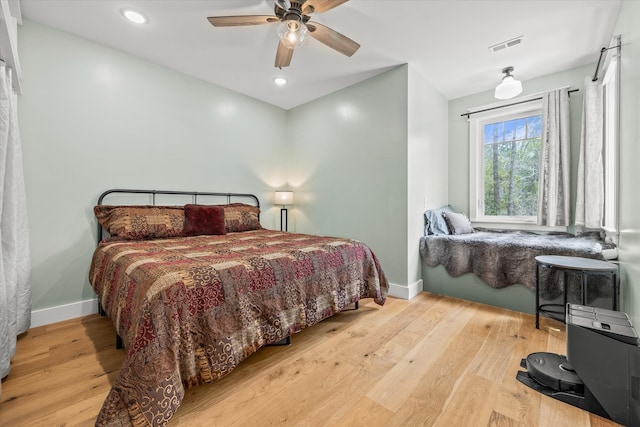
(284, 197)
(509, 88)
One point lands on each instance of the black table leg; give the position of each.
(616, 291)
(565, 282)
(583, 288)
(537, 296)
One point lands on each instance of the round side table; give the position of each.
(568, 264)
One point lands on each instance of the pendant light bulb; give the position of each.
(292, 33)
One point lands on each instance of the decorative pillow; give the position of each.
(458, 223)
(140, 222)
(434, 222)
(203, 219)
(241, 217)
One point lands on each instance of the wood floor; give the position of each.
(430, 361)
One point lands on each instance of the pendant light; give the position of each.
(509, 87)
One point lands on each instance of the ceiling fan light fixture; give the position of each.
(292, 33)
(509, 87)
(293, 24)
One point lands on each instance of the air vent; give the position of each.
(504, 45)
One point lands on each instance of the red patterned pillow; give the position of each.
(203, 219)
(241, 217)
(140, 222)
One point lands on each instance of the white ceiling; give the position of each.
(445, 40)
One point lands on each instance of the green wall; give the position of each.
(348, 168)
(363, 160)
(94, 118)
(428, 166)
(627, 27)
(470, 287)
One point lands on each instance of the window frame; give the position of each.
(476, 166)
(610, 145)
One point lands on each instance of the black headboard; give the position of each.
(245, 197)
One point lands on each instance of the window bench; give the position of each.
(505, 258)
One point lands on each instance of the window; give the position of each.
(511, 165)
(505, 162)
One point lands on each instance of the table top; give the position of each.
(575, 263)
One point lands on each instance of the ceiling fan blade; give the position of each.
(332, 38)
(283, 56)
(319, 6)
(236, 21)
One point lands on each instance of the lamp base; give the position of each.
(283, 219)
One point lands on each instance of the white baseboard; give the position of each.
(46, 316)
(405, 292)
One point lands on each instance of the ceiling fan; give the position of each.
(293, 18)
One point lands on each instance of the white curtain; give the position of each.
(15, 262)
(590, 188)
(553, 189)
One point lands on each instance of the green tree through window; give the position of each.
(511, 166)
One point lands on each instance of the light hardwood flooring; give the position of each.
(433, 360)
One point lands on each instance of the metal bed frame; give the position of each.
(194, 195)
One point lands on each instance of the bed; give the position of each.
(191, 296)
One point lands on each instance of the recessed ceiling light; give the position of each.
(280, 81)
(134, 16)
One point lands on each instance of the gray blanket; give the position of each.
(502, 259)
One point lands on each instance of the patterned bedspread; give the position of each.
(189, 310)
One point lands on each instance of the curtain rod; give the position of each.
(602, 52)
(508, 105)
